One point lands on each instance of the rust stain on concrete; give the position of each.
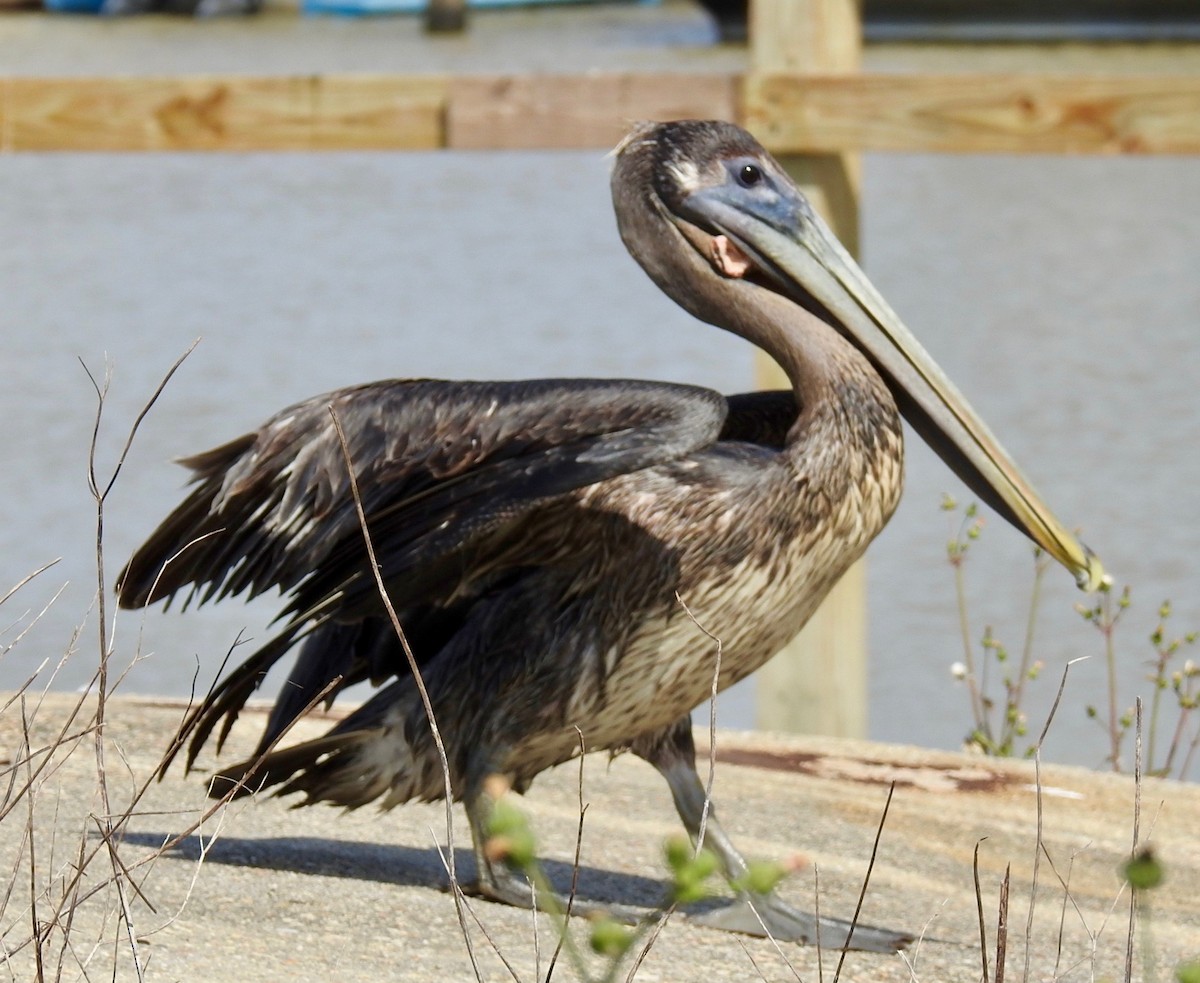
(930, 776)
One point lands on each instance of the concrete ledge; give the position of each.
(315, 894)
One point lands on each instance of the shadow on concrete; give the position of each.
(405, 866)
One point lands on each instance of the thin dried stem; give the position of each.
(137, 423)
(1176, 738)
(987, 975)
(205, 846)
(1040, 843)
(27, 578)
(1108, 624)
(1002, 925)
(1186, 767)
(59, 741)
(972, 680)
(1040, 565)
(753, 962)
(1062, 918)
(100, 497)
(34, 921)
(659, 924)
(575, 863)
(1137, 818)
(25, 630)
(712, 724)
(454, 886)
(71, 893)
(817, 916)
(862, 894)
(434, 730)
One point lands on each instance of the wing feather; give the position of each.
(444, 470)
(271, 509)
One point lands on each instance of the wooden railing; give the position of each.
(802, 94)
(791, 113)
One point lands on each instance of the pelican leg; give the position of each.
(495, 880)
(673, 753)
(499, 882)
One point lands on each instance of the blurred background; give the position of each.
(1060, 293)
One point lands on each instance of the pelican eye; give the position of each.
(748, 175)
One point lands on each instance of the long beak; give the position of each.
(793, 248)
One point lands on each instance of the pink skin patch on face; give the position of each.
(729, 259)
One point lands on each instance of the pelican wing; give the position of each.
(444, 469)
(762, 418)
(438, 466)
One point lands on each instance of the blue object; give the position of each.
(356, 8)
(73, 6)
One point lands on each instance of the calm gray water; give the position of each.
(1061, 294)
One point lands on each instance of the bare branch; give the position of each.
(1002, 925)
(866, 881)
(434, 731)
(28, 577)
(979, 906)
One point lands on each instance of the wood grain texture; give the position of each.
(980, 113)
(532, 112)
(805, 36)
(821, 114)
(222, 113)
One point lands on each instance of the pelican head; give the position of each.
(706, 200)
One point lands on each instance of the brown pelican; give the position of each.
(540, 539)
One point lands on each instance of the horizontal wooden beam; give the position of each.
(563, 112)
(201, 112)
(348, 112)
(992, 113)
(792, 114)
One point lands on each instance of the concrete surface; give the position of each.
(317, 894)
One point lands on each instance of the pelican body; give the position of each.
(562, 553)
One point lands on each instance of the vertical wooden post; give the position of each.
(818, 683)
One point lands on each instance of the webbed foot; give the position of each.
(761, 915)
(509, 888)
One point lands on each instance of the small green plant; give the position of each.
(611, 939)
(1184, 682)
(1188, 972)
(1105, 615)
(690, 870)
(510, 840)
(1000, 723)
(1144, 872)
(996, 729)
(763, 876)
